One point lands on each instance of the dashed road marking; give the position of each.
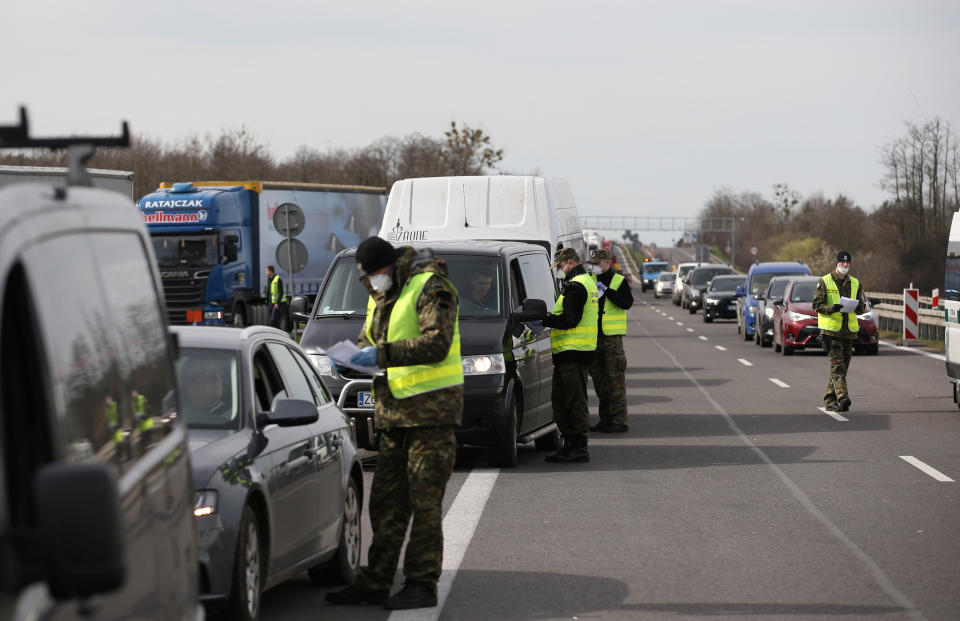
(838, 417)
(689, 329)
(703, 338)
(936, 474)
(745, 362)
(679, 323)
(779, 383)
(670, 318)
(721, 347)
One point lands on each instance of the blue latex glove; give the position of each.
(366, 357)
(336, 366)
(537, 323)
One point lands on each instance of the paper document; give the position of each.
(341, 353)
(535, 328)
(848, 304)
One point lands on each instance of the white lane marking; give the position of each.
(879, 577)
(458, 527)
(779, 383)
(703, 338)
(838, 417)
(914, 350)
(689, 329)
(936, 474)
(721, 347)
(744, 362)
(670, 318)
(679, 323)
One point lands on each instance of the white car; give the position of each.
(664, 284)
(682, 271)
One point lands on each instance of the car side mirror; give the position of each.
(289, 413)
(759, 296)
(776, 300)
(80, 529)
(230, 248)
(298, 308)
(740, 291)
(532, 309)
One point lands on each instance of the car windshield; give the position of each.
(759, 282)
(726, 284)
(477, 280)
(666, 277)
(702, 277)
(777, 288)
(209, 381)
(186, 250)
(803, 292)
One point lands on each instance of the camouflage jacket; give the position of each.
(843, 286)
(437, 310)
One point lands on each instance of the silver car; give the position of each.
(279, 485)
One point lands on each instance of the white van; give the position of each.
(497, 207)
(951, 305)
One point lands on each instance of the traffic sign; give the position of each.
(754, 250)
(727, 249)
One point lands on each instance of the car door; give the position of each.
(536, 283)
(290, 467)
(525, 350)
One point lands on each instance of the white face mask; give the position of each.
(559, 272)
(380, 282)
(842, 270)
(596, 269)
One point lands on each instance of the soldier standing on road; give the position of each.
(277, 299)
(609, 362)
(573, 341)
(411, 331)
(839, 330)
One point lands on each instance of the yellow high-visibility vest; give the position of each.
(277, 295)
(834, 321)
(416, 379)
(614, 319)
(583, 336)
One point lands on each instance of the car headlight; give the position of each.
(768, 312)
(204, 502)
(752, 309)
(321, 364)
(870, 315)
(795, 316)
(491, 364)
(213, 314)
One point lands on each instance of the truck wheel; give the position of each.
(503, 452)
(342, 568)
(239, 315)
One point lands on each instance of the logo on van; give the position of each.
(399, 234)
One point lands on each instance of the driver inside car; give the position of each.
(202, 381)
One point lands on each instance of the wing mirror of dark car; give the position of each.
(532, 309)
(759, 296)
(298, 308)
(740, 291)
(289, 413)
(230, 247)
(80, 529)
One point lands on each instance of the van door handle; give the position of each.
(336, 440)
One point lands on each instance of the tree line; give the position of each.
(903, 240)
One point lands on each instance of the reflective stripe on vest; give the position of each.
(834, 321)
(583, 336)
(416, 379)
(275, 292)
(614, 319)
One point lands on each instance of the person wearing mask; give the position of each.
(609, 364)
(838, 329)
(412, 332)
(573, 340)
(276, 299)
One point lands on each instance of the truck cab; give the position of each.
(650, 272)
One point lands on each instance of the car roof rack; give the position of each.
(79, 148)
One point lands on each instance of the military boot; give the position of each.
(577, 454)
(413, 595)
(563, 453)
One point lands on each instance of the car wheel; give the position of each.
(873, 351)
(550, 442)
(746, 335)
(692, 309)
(787, 351)
(503, 452)
(656, 295)
(244, 602)
(342, 568)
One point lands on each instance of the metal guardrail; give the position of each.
(930, 321)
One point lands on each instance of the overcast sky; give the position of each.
(645, 107)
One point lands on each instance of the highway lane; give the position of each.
(731, 496)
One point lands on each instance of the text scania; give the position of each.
(172, 204)
(159, 217)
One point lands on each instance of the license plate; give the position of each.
(732, 307)
(365, 400)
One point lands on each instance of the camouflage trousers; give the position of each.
(839, 352)
(569, 396)
(607, 370)
(413, 468)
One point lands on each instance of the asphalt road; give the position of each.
(732, 496)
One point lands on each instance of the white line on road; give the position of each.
(702, 338)
(679, 323)
(744, 362)
(914, 350)
(670, 318)
(690, 330)
(842, 419)
(779, 383)
(721, 347)
(913, 461)
(458, 527)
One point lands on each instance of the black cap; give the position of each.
(843, 255)
(373, 254)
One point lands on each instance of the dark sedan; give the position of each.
(696, 283)
(279, 483)
(720, 298)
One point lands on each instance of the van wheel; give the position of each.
(244, 602)
(342, 568)
(550, 442)
(503, 452)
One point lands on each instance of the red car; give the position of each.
(795, 322)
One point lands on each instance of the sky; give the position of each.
(646, 108)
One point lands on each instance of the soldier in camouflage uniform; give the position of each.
(412, 332)
(839, 330)
(609, 361)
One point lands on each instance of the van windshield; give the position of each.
(477, 280)
(951, 285)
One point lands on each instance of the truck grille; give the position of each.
(184, 294)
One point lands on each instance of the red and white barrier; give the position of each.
(911, 308)
(935, 299)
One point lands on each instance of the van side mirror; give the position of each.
(531, 309)
(298, 308)
(230, 247)
(740, 291)
(80, 528)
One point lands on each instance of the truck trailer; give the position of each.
(214, 239)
